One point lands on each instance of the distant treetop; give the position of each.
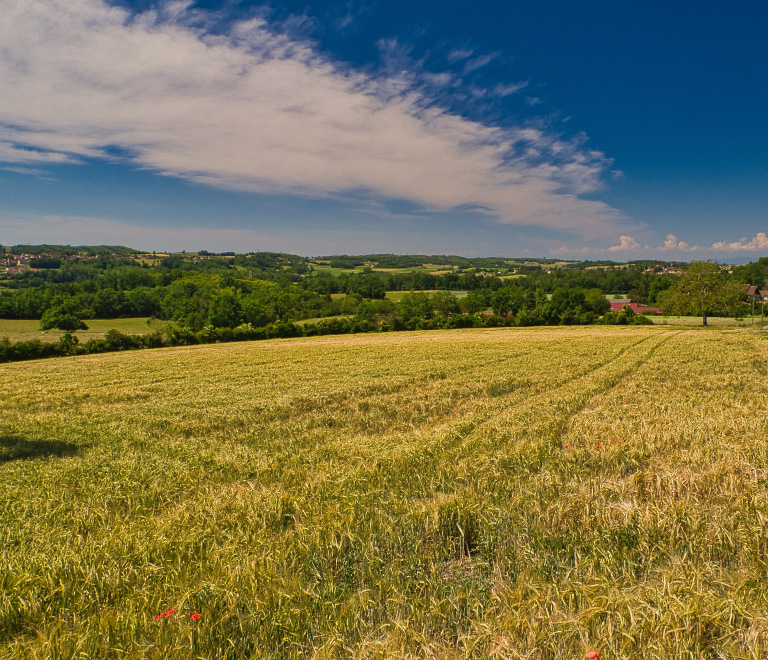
(66, 250)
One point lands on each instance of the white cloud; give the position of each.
(257, 111)
(671, 245)
(626, 244)
(759, 242)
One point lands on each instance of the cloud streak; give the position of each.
(253, 109)
(479, 62)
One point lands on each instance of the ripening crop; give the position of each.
(536, 493)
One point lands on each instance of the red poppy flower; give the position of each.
(610, 442)
(566, 446)
(598, 445)
(194, 616)
(626, 402)
(592, 655)
(164, 615)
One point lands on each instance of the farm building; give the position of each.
(637, 308)
(755, 293)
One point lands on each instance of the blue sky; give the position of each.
(573, 129)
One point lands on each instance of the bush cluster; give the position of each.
(174, 335)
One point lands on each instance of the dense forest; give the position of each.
(228, 290)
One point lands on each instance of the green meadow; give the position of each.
(527, 493)
(24, 330)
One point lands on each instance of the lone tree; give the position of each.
(702, 291)
(61, 319)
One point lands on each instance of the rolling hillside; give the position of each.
(503, 493)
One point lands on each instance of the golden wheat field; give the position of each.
(499, 493)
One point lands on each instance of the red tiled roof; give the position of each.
(636, 308)
(754, 290)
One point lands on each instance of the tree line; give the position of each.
(267, 288)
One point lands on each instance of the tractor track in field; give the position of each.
(584, 387)
(525, 420)
(462, 441)
(543, 398)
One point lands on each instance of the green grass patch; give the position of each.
(324, 318)
(718, 321)
(319, 268)
(23, 330)
(397, 296)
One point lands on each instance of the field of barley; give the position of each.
(502, 493)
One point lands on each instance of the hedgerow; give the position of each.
(174, 335)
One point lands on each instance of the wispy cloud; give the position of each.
(34, 171)
(458, 54)
(672, 245)
(478, 62)
(352, 17)
(505, 90)
(23, 154)
(250, 108)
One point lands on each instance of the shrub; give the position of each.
(362, 326)
(225, 334)
(60, 319)
(27, 350)
(283, 329)
(329, 327)
(459, 321)
(5, 349)
(68, 344)
(95, 346)
(152, 340)
(207, 335)
(494, 321)
(118, 341)
(177, 336)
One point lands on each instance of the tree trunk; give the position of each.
(705, 319)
